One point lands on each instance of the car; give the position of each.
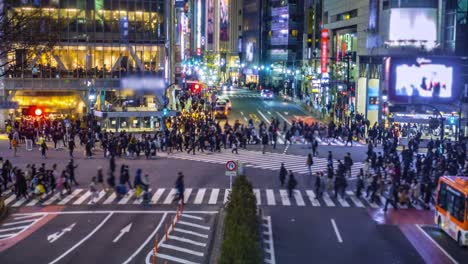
(224, 101)
(221, 111)
(266, 94)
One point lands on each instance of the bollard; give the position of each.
(166, 233)
(155, 250)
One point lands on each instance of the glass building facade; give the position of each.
(98, 39)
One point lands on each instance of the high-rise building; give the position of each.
(100, 43)
(390, 59)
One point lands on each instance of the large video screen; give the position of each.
(424, 80)
(419, 24)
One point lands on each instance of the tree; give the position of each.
(241, 245)
(25, 32)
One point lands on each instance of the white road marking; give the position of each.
(176, 248)
(101, 194)
(52, 199)
(126, 197)
(14, 228)
(328, 201)
(10, 199)
(342, 201)
(285, 198)
(27, 216)
(214, 196)
(355, 200)
(19, 222)
(186, 240)
(157, 195)
(170, 197)
(226, 195)
(181, 230)
(264, 117)
(122, 232)
(150, 237)
(187, 193)
(111, 198)
(337, 232)
(200, 195)
(171, 258)
(193, 225)
(82, 198)
(270, 197)
(19, 202)
(7, 235)
(70, 197)
(284, 118)
(257, 196)
(312, 198)
(271, 250)
(436, 244)
(192, 216)
(298, 198)
(83, 240)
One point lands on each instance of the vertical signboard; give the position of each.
(324, 51)
(224, 20)
(210, 18)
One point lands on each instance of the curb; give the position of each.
(217, 237)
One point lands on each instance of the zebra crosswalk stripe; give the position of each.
(328, 201)
(312, 198)
(298, 198)
(213, 196)
(127, 197)
(264, 197)
(70, 196)
(355, 200)
(52, 199)
(101, 194)
(82, 198)
(257, 196)
(19, 202)
(111, 198)
(170, 197)
(342, 201)
(157, 195)
(285, 198)
(270, 197)
(226, 195)
(199, 197)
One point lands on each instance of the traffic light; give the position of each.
(33, 111)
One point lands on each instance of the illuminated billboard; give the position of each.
(423, 80)
(413, 26)
(224, 20)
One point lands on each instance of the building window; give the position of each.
(385, 5)
(345, 16)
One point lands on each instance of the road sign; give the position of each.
(231, 165)
(231, 173)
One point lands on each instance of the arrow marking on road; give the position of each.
(53, 237)
(122, 232)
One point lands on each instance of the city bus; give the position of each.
(451, 207)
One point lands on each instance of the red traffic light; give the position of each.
(197, 86)
(38, 112)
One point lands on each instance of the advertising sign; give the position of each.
(423, 80)
(324, 52)
(224, 20)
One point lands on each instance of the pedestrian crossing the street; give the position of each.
(267, 161)
(202, 196)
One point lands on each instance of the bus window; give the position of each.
(456, 203)
(442, 196)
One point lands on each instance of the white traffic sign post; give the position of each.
(231, 170)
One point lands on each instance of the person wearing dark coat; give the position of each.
(292, 183)
(283, 174)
